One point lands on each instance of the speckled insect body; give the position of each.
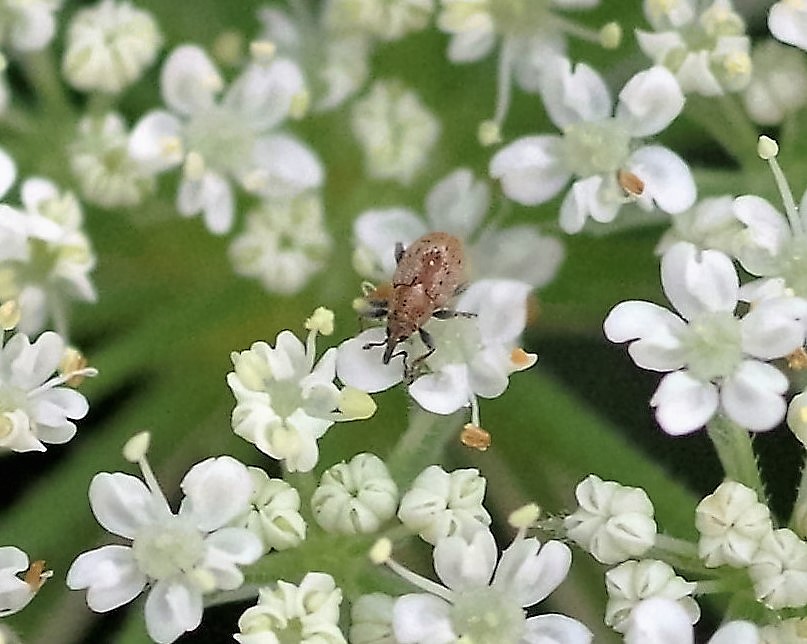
(429, 273)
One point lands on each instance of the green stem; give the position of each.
(736, 454)
(796, 522)
(728, 124)
(422, 443)
(44, 77)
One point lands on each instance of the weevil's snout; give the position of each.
(391, 344)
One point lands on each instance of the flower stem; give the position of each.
(422, 443)
(736, 454)
(728, 124)
(43, 75)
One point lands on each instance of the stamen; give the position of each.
(10, 314)
(36, 575)
(262, 51)
(489, 131)
(768, 149)
(194, 168)
(797, 360)
(418, 581)
(475, 437)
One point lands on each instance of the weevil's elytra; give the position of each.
(429, 273)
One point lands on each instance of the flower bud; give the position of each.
(779, 570)
(778, 84)
(441, 504)
(109, 46)
(632, 581)
(274, 514)
(371, 619)
(731, 522)
(355, 497)
(612, 522)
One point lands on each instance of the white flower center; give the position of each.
(596, 148)
(223, 139)
(713, 345)
(169, 548)
(520, 16)
(457, 341)
(487, 616)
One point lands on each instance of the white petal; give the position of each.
(444, 391)
(422, 618)
(378, 231)
(501, 308)
(211, 195)
(462, 565)
(752, 396)
(189, 80)
(218, 489)
(530, 572)
(262, 94)
(555, 629)
(122, 503)
(667, 178)
(574, 96)
(12, 560)
(696, 77)
(683, 404)
(659, 621)
(768, 230)
(8, 172)
(788, 23)
(458, 203)
(153, 141)
(283, 167)
(110, 575)
(736, 633)
(656, 45)
(517, 253)
(34, 26)
(656, 332)
(584, 199)
(239, 545)
(362, 368)
(36, 190)
(650, 101)
(699, 281)
(172, 608)
(531, 169)
(471, 45)
(774, 327)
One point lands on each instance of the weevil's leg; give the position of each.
(461, 288)
(399, 251)
(370, 345)
(447, 314)
(426, 338)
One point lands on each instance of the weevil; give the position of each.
(428, 274)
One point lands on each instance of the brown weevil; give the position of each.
(429, 273)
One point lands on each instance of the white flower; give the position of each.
(356, 497)
(709, 224)
(395, 130)
(274, 512)
(57, 261)
(779, 570)
(774, 244)
(598, 146)
(787, 21)
(27, 25)
(109, 46)
(457, 204)
(371, 620)
(284, 402)
(790, 630)
(284, 243)
(441, 504)
(34, 406)
(308, 613)
(778, 84)
(227, 137)
(631, 582)
(384, 19)
(663, 621)
(99, 158)
(334, 62)
(613, 522)
(797, 416)
(702, 43)
(16, 592)
(482, 600)
(717, 361)
(731, 522)
(180, 557)
(531, 34)
(473, 356)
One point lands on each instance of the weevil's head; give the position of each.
(409, 309)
